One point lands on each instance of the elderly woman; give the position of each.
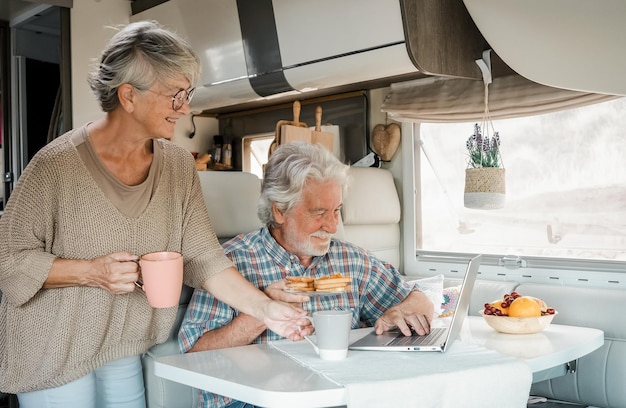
(72, 323)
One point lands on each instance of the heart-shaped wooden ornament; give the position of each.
(385, 140)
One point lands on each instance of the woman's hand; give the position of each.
(287, 320)
(116, 272)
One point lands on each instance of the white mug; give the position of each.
(332, 332)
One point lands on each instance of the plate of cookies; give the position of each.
(326, 286)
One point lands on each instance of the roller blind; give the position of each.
(446, 100)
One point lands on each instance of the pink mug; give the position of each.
(162, 276)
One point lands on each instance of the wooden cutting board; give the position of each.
(294, 131)
(281, 126)
(326, 139)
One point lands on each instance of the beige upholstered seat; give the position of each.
(371, 213)
(231, 199)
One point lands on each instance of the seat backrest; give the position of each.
(231, 200)
(371, 213)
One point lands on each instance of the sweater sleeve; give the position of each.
(27, 228)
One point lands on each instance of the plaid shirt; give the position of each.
(375, 287)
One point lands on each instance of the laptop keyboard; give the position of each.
(416, 339)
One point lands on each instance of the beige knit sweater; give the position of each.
(49, 337)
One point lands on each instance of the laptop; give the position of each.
(439, 338)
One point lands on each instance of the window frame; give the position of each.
(246, 153)
(557, 271)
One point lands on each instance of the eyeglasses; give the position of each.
(179, 99)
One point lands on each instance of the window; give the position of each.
(255, 152)
(565, 187)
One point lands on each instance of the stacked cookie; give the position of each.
(300, 283)
(333, 283)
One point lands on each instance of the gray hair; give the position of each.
(141, 54)
(287, 171)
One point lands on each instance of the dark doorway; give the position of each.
(42, 85)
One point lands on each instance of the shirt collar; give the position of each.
(281, 256)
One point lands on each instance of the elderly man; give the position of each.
(301, 198)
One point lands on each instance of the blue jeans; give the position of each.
(116, 384)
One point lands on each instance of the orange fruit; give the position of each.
(524, 306)
(498, 305)
(542, 305)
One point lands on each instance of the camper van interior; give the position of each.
(470, 126)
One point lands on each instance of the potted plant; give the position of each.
(485, 175)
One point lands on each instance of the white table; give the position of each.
(256, 370)
(550, 353)
(267, 377)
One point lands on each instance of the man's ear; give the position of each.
(127, 95)
(278, 215)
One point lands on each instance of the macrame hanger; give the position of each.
(485, 67)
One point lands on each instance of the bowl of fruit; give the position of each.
(517, 314)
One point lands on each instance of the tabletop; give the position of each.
(549, 353)
(267, 376)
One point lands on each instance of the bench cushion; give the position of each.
(600, 377)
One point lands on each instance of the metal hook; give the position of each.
(485, 66)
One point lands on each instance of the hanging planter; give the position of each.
(485, 186)
(484, 177)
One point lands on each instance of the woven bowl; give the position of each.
(518, 325)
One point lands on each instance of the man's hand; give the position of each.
(276, 291)
(416, 312)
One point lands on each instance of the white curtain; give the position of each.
(438, 100)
